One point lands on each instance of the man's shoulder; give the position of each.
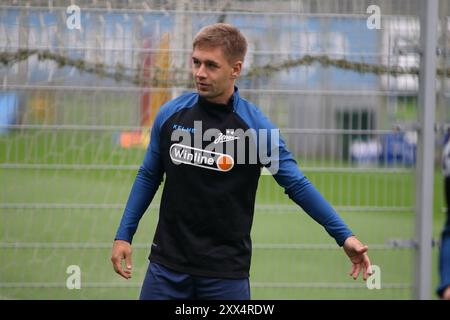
(252, 114)
(185, 100)
(244, 103)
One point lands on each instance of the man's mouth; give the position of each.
(202, 85)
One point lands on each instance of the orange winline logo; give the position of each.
(264, 151)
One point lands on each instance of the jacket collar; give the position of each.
(220, 107)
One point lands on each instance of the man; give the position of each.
(202, 246)
(443, 289)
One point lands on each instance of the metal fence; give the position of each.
(76, 106)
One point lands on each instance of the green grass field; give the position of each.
(83, 236)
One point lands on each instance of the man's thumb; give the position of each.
(128, 261)
(363, 249)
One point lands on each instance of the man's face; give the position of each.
(214, 76)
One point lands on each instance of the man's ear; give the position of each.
(236, 70)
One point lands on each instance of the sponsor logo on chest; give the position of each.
(201, 158)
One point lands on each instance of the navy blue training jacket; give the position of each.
(207, 153)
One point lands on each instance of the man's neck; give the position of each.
(219, 101)
(222, 99)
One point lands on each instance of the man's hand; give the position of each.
(357, 253)
(121, 251)
(446, 294)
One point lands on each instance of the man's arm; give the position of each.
(147, 181)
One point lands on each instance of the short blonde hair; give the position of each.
(223, 35)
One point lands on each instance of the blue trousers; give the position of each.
(444, 259)
(161, 283)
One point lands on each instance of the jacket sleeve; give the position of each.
(146, 184)
(280, 162)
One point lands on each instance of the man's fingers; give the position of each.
(128, 261)
(368, 264)
(367, 268)
(352, 270)
(356, 271)
(117, 265)
(124, 273)
(128, 265)
(365, 273)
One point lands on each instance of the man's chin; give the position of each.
(204, 94)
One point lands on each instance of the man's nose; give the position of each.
(200, 73)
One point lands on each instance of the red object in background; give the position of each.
(146, 58)
(130, 139)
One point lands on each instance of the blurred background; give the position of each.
(78, 97)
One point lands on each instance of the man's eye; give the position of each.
(196, 62)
